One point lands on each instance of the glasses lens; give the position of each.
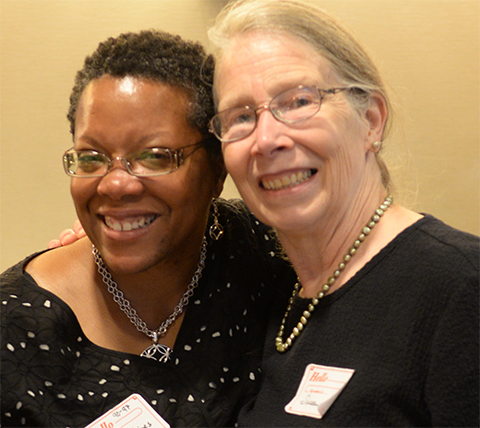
(234, 124)
(154, 161)
(296, 104)
(88, 163)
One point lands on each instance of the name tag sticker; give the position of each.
(133, 412)
(319, 388)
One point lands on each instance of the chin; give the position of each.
(122, 261)
(285, 219)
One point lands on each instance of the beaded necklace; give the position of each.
(284, 346)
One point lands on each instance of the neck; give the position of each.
(153, 293)
(317, 251)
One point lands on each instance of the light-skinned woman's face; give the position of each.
(139, 222)
(290, 175)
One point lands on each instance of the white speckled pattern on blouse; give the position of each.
(52, 375)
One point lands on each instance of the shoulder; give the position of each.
(432, 263)
(427, 263)
(14, 277)
(445, 242)
(236, 213)
(28, 309)
(248, 249)
(244, 232)
(61, 269)
(45, 277)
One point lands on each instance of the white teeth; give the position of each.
(124, 226)
(287, 181)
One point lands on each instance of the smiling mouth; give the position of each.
(288, 180)
(133, 223)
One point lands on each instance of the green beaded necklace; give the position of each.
(284, 346)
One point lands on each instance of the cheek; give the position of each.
(235, 160)
(193, 187)
(75, 191)
(80, 192)
(346, 140)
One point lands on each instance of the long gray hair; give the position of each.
(305, 21)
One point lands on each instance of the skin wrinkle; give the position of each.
(329, 209)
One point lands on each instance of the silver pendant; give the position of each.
(158, 352)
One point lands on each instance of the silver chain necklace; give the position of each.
(285, 346)
(155, 351)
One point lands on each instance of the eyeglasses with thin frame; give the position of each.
(290, 106)
(144, 163)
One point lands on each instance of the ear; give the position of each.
(376, 116)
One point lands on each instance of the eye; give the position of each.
(89, 162)
(154, 159)
(296, 99)
(296, 104)
(303, 100)
(238, 117)
(235, 123)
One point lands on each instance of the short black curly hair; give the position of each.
(159, 56)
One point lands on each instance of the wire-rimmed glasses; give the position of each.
(144, 163)
(292, 105)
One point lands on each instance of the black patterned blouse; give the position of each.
(53, 376)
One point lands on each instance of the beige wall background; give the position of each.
(428, 51)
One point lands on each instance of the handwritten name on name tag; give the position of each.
(319, 388)
(133, 412)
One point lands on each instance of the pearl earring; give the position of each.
(376, 146)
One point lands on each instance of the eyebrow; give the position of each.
(278, 89)
(98, 146)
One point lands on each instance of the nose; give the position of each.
(269, 134)
(118, 184)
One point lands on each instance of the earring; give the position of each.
(376, 146)
(216, 229)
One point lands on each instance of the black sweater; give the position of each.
(407, 323)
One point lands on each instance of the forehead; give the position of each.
(131, 90)
(114, 109)
(257, 65)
